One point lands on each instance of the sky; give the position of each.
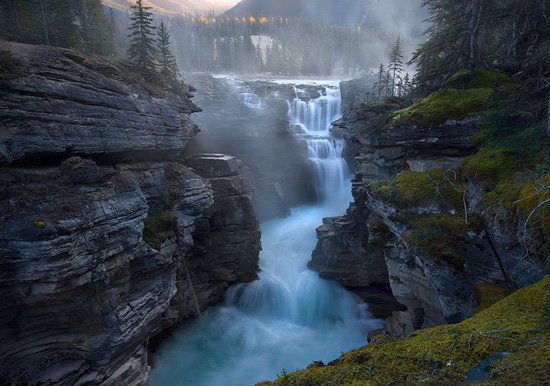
(215, 4)
(221, 3)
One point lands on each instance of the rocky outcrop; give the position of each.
(227, 239)
(107, 238)
(58, 103)
(417, 240)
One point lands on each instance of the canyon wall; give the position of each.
(108, 235)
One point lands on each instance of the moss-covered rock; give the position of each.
(159, 227)
(438, 237)
(488, 294)
(443, 105)
(482, 77)
(415, 189)
(444, 355)
(490, 164)
(379, 113)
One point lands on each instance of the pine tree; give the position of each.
(60, 28)
(387, 84)
(396, 64)
(142, 31)
(380, 82)
(457, 39)
(407, 84)
(166, 60)
(96, 29)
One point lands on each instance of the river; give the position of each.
(289, 317)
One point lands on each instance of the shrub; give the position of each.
(159, 227)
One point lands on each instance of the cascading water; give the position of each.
(313, 119)
(289, 317)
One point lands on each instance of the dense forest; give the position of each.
(205, 43)
(275, 45)
(508, 35)
(82, 24)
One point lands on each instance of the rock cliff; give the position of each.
(107, 238)
(427, 240)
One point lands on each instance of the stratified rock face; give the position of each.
(98, 258)
(81, 289)
(227, 240)
(373, 249)
(58, 103)
(346, 242)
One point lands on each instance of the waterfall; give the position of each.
(289, 317)
(313, 118)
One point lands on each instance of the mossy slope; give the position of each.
(443, 355)
(443, 105)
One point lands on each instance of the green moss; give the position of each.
(534, 203)
(378, 114)
(444, 105)
(528, 366)
(40, 224)
(415, 189)
(438, 237)
(490, 164)
(159, 227)
(481, 78)
(488, 294)
(503, 196)
(444, 355)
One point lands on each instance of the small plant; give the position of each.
(40, 224)
(159, 227)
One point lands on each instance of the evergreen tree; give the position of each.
(396, 64)
(380, 83)
(407, 84)
(387, 84)
(457, 38)
(166, 59)
(142, 32)
(59, 23)
(96, 30)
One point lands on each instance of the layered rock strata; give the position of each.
(106, 238)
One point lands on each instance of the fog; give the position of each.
(347, 38)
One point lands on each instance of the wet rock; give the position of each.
(227, 239)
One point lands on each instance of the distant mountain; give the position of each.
(169, 6)
(402, 16)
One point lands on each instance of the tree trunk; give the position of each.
(475, 21)
(46, 36)
(512, 50)
(17, 22)
(548, 117)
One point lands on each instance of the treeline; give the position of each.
(513, 35)
(80, 24)
(275, 45)
(280, 46)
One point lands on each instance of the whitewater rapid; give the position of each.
(289, 317)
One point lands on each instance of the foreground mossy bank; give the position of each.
(519, 326)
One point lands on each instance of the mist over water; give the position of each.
(289, 317)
